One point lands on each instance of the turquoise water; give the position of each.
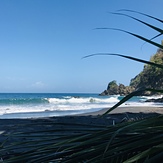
(27, 105)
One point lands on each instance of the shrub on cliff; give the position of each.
(151, 76)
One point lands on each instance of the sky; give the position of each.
(42, 43)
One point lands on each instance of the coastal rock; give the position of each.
(114, 89)
(150, 76)
(104, 93)
(155, 100)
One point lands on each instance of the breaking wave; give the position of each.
(41, 105)
(78, 100)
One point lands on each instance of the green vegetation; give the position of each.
(151, 76)
(139, 141)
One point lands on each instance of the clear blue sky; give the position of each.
(42, 43)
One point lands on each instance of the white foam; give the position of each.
(153, 97)
(73, 100)
(71, 104)
(20, 109)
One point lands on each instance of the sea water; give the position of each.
(28, 105)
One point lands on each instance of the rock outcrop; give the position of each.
(155, 100)
(150, 77)
(114, 89)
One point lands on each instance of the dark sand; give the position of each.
(135, 109)
(67, 125)
(119, 115)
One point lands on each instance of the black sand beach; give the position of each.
(119, 115)
(21, 130)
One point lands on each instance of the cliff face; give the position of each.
(150, 77)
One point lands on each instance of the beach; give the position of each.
(30, 110)
(116, 116)
(22, 131)
(132, 109)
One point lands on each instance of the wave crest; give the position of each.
(75, 100)
(17, 101)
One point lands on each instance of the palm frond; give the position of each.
(136, 35)
(143, 22)
(135, 93)
(125, 56)
(126, 142)
(142, 14)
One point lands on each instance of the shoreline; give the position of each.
(132, 109)
(92, 117)
(118, 110)
(64, 125)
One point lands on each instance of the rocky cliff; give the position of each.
(114, 89)
(150, 77)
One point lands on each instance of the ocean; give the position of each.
(34, 105)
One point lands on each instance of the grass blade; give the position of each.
(142, 14)
(147, 24)
(135, 93)
(126, 98)
(138, 36)
(128, 57)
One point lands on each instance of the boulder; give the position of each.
(114, 89)
(155, 100)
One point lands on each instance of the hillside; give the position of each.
(151, 76)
